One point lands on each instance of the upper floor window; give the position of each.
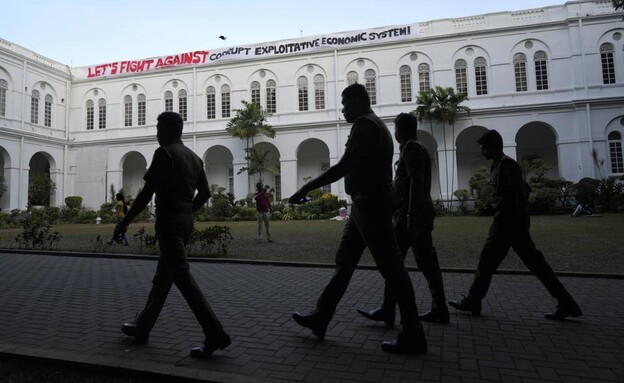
(128, 110)
(608, 65)
(615, 152)
(3, 97)
(90, 114)
(481, 76)
(255, 92)
(319, 92)
(141, 106)
(34, 107)
(102, 113)
(211, 103)
(182, 104)
(461, 79)
(271, 96)
(520, 72)
(352, 78)
(168, 101)
(541, 70)
(405, 78)
(225, 101)
(424, 81)
(47, 111)
(371, 85)
(302, 86)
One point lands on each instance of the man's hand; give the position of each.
(298, 197)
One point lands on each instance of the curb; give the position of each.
(292, 264)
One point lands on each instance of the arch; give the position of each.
(468, 156)
(40, 165)
(218, 164)
(5, 171)
(312, 160)
(134, 166)
(538, 139)
(268, 178)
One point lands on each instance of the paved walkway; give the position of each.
(71, 308)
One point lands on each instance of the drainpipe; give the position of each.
(586, 90)
(24, 90)
(194, 99)
(20, 199)
(337, 94)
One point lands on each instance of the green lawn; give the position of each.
(592, 244)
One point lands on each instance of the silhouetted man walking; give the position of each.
(366, 166)
(174, 175)
(510, 228)
(413, 221)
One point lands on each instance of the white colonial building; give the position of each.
(551, 80)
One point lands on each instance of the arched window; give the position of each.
(142, 109)
(102, 113)
(128, 110)
(225, 101)
(615, 152)
(405, 78)
(319, 92)
(255, 92)
(182, 104)
(541, 70)
(608, 66)
(47, 110)
(461, 79)
(168, 101)
(352, 78)
(370, 84)
(271, 96)
(302, 86)
(481, 76)
(424, 82)
(90, 114)
(3, 97)
(211, 103)
(34, 107)
(520, 71)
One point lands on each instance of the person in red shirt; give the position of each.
(263, 210)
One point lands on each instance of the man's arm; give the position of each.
(203, 192)
(141, 201)
(332, 174)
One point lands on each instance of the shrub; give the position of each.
(73, 202)
(483, 191)
(37, 234)
(245, 214)
(86, 216)
(216, 237)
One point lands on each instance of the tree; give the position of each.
(445, 106)
(259, 162)
(618, 4)
(246, 124)
(40, 188)
(424, 107)
(3, 187)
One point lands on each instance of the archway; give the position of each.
(469, 157)
(40, 185)
(272, 161)
(312, 160)
(432, 147)
(218, 162)
(134, 167)
(538, 139)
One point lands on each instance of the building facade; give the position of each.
(550, 80)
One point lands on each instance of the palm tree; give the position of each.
(424, 103)
(444, 109)
(246, 124)
(260, 162)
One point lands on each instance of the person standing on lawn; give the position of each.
(175, 174)
(366, 166)
(263, 210)
(510, 229)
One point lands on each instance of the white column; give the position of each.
(289, 177)
(57, 198)
(11, 195)
(241, 181)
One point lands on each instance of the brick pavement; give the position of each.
(71, 308)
